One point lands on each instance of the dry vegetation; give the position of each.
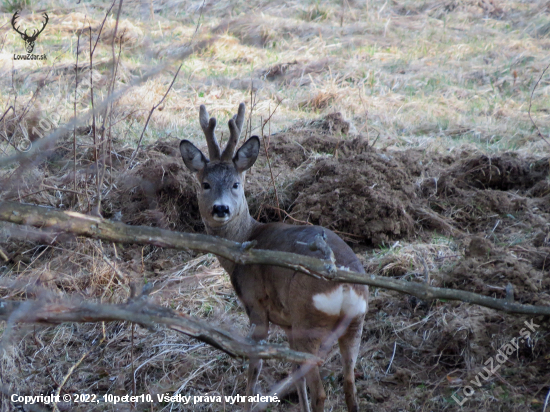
(403, 125)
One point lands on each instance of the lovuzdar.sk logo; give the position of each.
(29, 39)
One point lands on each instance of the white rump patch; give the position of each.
(341, 301)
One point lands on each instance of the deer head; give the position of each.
(221, 194)
(29, 40)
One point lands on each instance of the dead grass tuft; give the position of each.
(127, 34)
(319, 101)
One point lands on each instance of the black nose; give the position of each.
(220, 210)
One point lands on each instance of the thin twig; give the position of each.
(392, 356)
(72, 369)
(375, 140)
(531, 101)
(266, 145)
(101, 27)
(111, 115)
(75, 98)
(109, 109)
(546, 401)
(6, 112)
(309, 223)
(46, 187)
(288, 215)
(136, 150)
(3, 255)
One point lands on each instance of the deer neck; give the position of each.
(239, 229)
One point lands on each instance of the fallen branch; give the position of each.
(148, 316)
(97, 228)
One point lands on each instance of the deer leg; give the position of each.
(254, 368)
(349, 344)
(310, 344)
(259, 331)
(316, 390)
(302, 392)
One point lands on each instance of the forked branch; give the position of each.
(94, 227)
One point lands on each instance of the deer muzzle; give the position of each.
(220, 213)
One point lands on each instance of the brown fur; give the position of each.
(268, 293)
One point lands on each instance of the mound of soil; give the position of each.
(480, 192)
(505, 172)
(367, 195)
(159, 192)
(519, 272)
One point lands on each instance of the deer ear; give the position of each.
(247, 154)
(192, 157)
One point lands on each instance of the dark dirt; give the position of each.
(505, 172)
(158, 192)
(366, 196)
(490, 270)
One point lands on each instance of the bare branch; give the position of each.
(149, 316)
(97, 228)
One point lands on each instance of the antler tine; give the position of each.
(14, 21)
(240, 117)
(235, 128)
(43, 24)
(209, 127)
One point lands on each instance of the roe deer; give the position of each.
(312, 312)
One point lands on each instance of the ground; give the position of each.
(414, 130)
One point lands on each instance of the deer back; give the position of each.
(283, 292)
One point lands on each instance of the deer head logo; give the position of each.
(29, 40)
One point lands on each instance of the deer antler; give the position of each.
(209, 127)
(43, 27)
(35, 32)
(235, 128)
(13, 20)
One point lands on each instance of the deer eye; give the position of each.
(236, 185)
(205, 185)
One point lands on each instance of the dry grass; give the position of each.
(445, 77)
